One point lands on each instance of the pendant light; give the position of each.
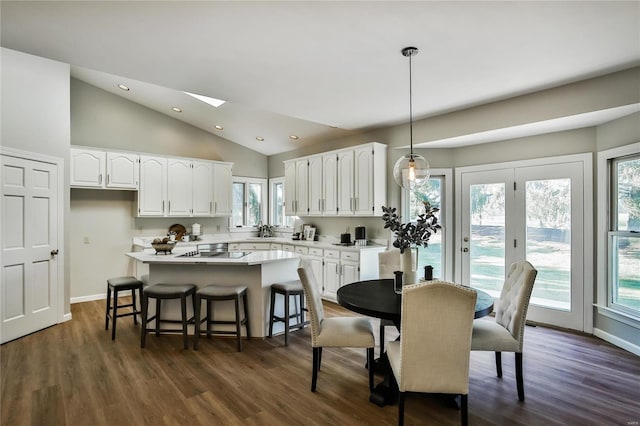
(411, 170)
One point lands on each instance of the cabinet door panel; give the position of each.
(122, 170)
(290, 188)
(222, 189)
(87, 168)
(345, 183)
(330, 188)
(331, 278)
(315, 185)
(179, 188)
(302, 187)
(153, 186)
(363, 181)
(202, 188)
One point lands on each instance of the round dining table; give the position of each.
(376, 298)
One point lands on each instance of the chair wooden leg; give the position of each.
(499, 364)
(245, 305)
(271, 312)
(238, 325)
(370, 357)
(183, 307)
(134, 307)
(158, 309)
(286, 318)
(115, 315)
(519, 378)
(464, 410)
(196, 319)
(315, 368)
(381, 339)
(319, 358)
(145, 308)
(106, 322)
(401, 409)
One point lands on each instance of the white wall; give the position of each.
(35, 117)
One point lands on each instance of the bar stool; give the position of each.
(216, 293)
(115, 286)
(162, 292)
(287, 289)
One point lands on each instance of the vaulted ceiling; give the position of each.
(323, 69)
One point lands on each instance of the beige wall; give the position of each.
(35, 118)
(101, 119)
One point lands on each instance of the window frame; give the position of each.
(606, 211)
(263, 194)
(446, 217)
(288, 220)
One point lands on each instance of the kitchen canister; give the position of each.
(195, 229)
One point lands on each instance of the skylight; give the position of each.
(211, 101)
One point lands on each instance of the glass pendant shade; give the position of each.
(411, 171)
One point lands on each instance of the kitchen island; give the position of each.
(257, 270)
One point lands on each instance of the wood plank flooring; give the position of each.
(73, 374)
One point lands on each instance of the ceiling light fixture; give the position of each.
(123, 87)
(411, 170)
(176, 109)
(259, 138)
(293, 137)
(219, 127)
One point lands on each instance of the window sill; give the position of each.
(619, 316)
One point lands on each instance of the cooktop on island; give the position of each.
(221, 254)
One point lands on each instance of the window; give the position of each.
(624, 234)
(276, 204)
(248, 196)
(435, 254)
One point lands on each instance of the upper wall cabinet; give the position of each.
(184, 187)
(341, 182)
(103, 169)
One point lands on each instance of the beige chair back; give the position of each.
(388, 262)
(435, 340)
(314, 301)
(511, 311)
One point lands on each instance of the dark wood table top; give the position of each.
(376, 298)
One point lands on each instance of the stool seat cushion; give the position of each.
(120, 282)
(221, 290)
(289, 286)
(168, 290)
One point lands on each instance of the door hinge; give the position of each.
(514, 186)
(515, 243)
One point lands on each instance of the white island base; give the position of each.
(256, 275)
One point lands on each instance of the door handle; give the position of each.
(54, 252)
(465, 250)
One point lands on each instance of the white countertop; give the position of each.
(145, 242)
(253, 258)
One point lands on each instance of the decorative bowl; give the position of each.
(164, 247)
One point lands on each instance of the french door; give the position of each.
(30, 193)
(535, 212)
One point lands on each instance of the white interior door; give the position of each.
(532, 212)
(29, 290)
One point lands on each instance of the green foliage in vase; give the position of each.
(411, 234)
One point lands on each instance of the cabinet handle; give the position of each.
(169, 206)
(215, 206)
(319, 204)
(210, 206)
(162, 206)
(100, 179)
(108, 179)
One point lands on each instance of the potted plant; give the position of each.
(411, 235)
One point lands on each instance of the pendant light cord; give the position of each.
(410, 109)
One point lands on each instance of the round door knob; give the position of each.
(54, 252)
(465, 249)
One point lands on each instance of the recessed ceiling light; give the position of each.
(219, 127)
(294, 137)
(211, 101)
(259, 138)
(176, 109)
(123, 87)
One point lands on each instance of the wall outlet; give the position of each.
(85, 240)
(217, 227)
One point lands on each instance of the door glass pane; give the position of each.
(628, 192)
(626, 280)
(237, 215)
(487, 245)
(548, 246)
(254, 204)
(432, 254)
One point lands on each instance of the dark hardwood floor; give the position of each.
(73, 374)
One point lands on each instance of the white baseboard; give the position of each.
(614, 340)
(66, 317)
(89, 298)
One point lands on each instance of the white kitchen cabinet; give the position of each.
(296, 187)
(152, 194)
(202, 175)
(316, 262)
(87, 168)
(122, 170)
(345, 183)
(249, 246)
(330, 184)
(315, 185)
(340, 268)
(222, 177)
(103, 169)
(179, 187)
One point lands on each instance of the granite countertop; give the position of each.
(252, 258)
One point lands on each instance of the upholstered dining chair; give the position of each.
(388, 262)
(353, 332)
(433, 353)
(506, 333)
